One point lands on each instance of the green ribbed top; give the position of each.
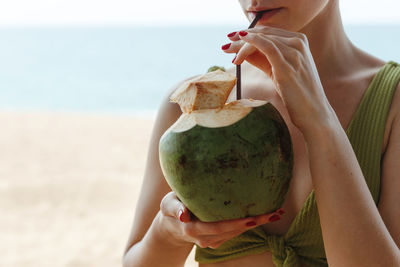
(303, 244)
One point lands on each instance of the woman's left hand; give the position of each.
(286, 58)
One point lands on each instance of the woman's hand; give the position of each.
(181, 227)
(286, 58)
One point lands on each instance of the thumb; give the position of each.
(171, 206)
(184, 214)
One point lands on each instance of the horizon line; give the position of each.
(171, 25)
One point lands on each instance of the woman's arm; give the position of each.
(389, 202)
(146, 246)
(353, 231)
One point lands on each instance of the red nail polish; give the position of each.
(180, 214)
(274, 218)
(242, 33)
(281, 211)
(234, 59)
(249, 224)
(226, 46)
(231, 34)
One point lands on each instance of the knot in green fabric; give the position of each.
(283, 255)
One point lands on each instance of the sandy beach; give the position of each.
(69, 186)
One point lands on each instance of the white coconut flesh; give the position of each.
(210, 90)
(214, 118)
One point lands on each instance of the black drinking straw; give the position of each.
(238, 67)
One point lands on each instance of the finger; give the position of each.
(227, 226)
(267, 218)
(233, 47)
(217, 244)
(296, 40)
(172, 207)
(269, 48)
(280, 211)
(212, 240)
(217, 228)
(233, 36)
(254, 57)
(292, 49)
(274, 31)
(244, 51)
(293, 42)
(217, 238)
(295, 48)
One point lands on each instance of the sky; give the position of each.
(166, 12)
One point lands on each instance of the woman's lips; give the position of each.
(266, 14)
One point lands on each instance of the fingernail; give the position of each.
(274, 218)
(281, 211)
(226, 46)
(233, 61)
(242, 33)
(180, 214)
(231, 34)
(249, 224)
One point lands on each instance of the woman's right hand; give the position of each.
(181, 227)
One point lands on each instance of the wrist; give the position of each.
(322, 134)
(322, 127)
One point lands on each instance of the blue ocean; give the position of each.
(124, 69)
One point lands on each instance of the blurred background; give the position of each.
(80, 85)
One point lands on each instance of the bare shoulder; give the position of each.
(393, 117)
(396, 98)
(365, 70)
(390, 182)
(154, 186)
(395, 106)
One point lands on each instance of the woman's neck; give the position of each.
(333, 52)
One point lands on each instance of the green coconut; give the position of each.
(228, 162)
